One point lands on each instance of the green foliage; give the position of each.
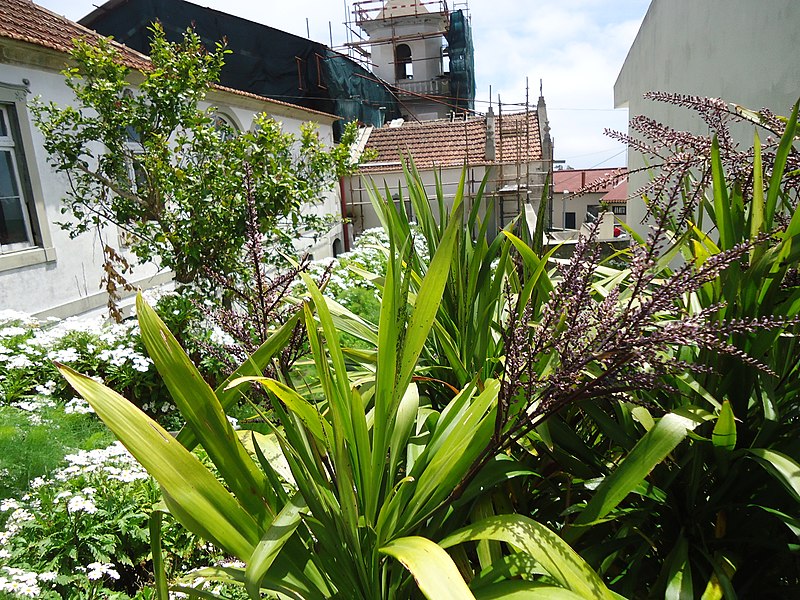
(113, 352)
(508, 425)
(373, 464)
(83, 532)
(705, 511)
(171, 176)
(33, 442)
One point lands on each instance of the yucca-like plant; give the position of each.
(368, 511)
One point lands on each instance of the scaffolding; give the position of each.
(454, 84)
(515, 181)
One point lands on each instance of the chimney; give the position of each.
(490, 146)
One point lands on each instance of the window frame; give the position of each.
(10, 144)
(40, 249)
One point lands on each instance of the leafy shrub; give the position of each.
(83, 532)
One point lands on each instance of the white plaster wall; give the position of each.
(70, 283)
(740, 50)
(75, 273)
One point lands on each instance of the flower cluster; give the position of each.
(113, 462)
(20, 582)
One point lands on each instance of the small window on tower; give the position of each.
(403, 67)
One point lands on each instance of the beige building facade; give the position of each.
(742, 51)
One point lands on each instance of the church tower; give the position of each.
(423, 50)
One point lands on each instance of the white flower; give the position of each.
(7, 315)
(20, 361)
(7, 332)
(65, 355)
(19, 582)
(96, 570)
(8, 504)
(81, 504)
(47, 576)
(78, 406)
(47, 389)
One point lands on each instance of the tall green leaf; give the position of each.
(203, 413)
(654, 447)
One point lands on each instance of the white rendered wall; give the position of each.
(68, 282)
(743, 51)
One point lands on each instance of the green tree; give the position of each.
(141, 154)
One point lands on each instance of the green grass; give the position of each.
(34, 449)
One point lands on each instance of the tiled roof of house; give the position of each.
(445, 143)
(24, 21)
(611, 182)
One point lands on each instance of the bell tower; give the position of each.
(410, 44)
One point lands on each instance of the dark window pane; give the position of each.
(12, 222)
(8, 176)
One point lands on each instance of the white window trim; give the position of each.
(42, 249)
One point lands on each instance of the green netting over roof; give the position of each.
(355, 92)
(462, 60)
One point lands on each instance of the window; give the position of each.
(619, 209)
(24, 235)
(569, 220)
(15, 226)
(301, 72)
(403, 66)
(226, 128)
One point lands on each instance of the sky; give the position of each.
(575, 47)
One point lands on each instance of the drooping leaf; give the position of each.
(213, 512)
(554, 555)
(434, 571)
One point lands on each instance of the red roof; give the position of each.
(24, 21)
(446, 143)
(612, 182)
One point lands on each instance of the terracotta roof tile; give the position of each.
(618, 193)
(24, 21)
(613, 182)
(444, 143)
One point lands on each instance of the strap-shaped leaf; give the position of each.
(524, 590)
(203, 412)
(434, 571)
(554, 555)
(654, 446)
(271, 544)
(213, 512)
(784, 468)
(253, 366)
(724, 434)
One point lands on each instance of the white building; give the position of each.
(515, 150)
(42, 270)
(742, 51)
(423, 50)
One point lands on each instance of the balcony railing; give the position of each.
(426, 87)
